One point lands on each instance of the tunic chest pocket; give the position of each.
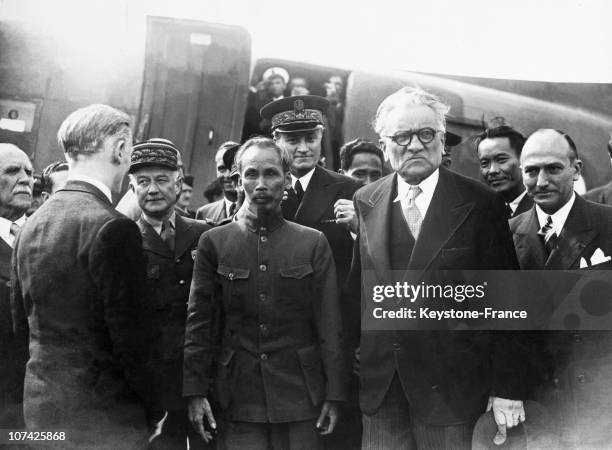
(295, 280)
(234, 280)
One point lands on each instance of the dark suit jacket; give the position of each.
(280, 353)
(571, 370)
(169, 279)
(13, 351)
(214, 211)
(79, 278)
(447, 375)
(601, 194)
(317, 205)
(524, 205)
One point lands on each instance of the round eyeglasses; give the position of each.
(424, 135)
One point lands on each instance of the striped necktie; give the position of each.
(13, 233)
(548, 235)
(412, 213)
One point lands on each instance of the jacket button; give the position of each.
(231, 275)
(580, 378)
(262, 297)
(264, 357)
(263, 328)
(396, 346)
(263, 238)
(263, 267)
(178, 260)
(181, 282)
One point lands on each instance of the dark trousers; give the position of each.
(393, 428)
(272, 436)
(177, 429)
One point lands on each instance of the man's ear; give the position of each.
(577, 169)
(383, 148)
(120, 150)
(45, 196)
(178, 187)
(288, 180)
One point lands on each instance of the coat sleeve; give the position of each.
(200, 329)
(328, 321)
(117, 265)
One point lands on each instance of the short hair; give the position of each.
(517, 140)
(351, 148)
(265, 143)
(84, 131)
(46, 180)
(230, 155)
(570, 142)
(413, 96)
(227, 145)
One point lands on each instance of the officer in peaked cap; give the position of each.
(320, 199)
(169, 241)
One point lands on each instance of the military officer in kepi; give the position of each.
(169, 242)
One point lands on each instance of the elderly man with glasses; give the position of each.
(425, 389)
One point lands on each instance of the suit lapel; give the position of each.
(376, 214)
(529, 247)
(446, 212)
(317, 198)
(577, 233)
(6, 252)
(151, 241)
(184, 236)
(524, 205)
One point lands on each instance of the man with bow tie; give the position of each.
(565, 232)
(169, 241)
(16, 183)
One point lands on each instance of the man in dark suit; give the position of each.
(169, 241)
(78, 281)
(425, 390)
(279, 372)
(499, 149)
(16, 183)
(226, 207)
(565, 232)
(320, 199)
(602, 194)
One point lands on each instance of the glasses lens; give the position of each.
(426, 135)
(403, 138)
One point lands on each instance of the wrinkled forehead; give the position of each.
(545, 148)
(12, 155)
(261, 158)
(406, 117)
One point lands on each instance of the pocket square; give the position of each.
(599, 257)
(583, 263)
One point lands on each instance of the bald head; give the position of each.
(550, 166)
(16, 182)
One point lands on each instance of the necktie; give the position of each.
(548, 235)
(412, 213)
(13, 233)
(299, 191)
(509, 212)
(167, 234)
(232, 209)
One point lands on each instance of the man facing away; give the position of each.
(78, 280)
(16, 183)
(425, 389)
(169, 241)
(562, 231)
(279, 372)
(499, 149)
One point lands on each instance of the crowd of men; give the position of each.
(238, 326)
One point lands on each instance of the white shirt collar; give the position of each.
(156, 223)
(422, 201)
(559, 217)
(104, 188)
(304, 180)
(514, 203)
(5, 229)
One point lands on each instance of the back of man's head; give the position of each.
(351, 148)
(85, 130)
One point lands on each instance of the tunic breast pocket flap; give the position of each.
(297, 272)
(233, 273)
